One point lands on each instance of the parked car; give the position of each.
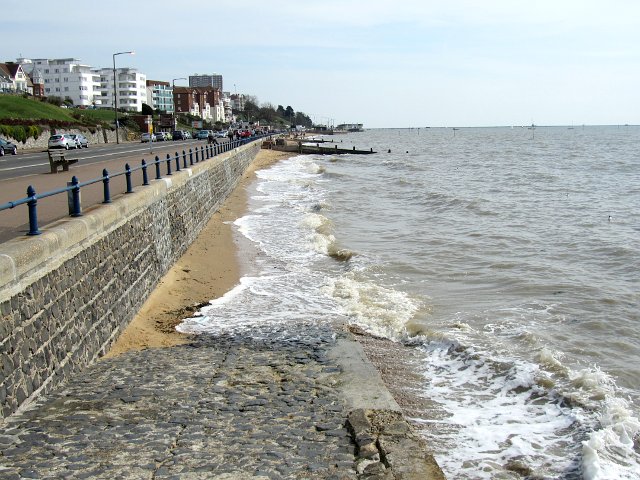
(7, 147)
(147, 137)
(63, 140)
(203, 134)
(161, 136)
(81, 140)
(222, 134)
(187, 134)
(178, 135)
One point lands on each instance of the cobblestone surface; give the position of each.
(258, 405)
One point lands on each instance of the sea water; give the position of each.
(508, 258)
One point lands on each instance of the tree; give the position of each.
(146, 109)
(280, 111)
(251, 109)
(54, 100)
(289, 112)
(303, 119)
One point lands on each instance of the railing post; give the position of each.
(197, 157)
(202, 152)
(190, 157)
(105, 186)
(177, 162)
(158, 174)
(169, 164)
(184, 159)
(75, 191)
(145, 176)
(127, 175)
(33, 211)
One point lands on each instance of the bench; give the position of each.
(57, 158)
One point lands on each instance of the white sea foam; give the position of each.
(609, 452)
(382, 311)
(495, 414)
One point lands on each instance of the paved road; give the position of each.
(36, 162)
(17, 172)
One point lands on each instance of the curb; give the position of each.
(387, 446)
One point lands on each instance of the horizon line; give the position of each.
(517, 126)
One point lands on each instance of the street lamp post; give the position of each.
(115, 90)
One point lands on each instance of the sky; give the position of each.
(402, 63)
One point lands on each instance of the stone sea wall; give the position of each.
(67, 294)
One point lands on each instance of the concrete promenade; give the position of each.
(299, 402)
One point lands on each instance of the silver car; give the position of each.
(81, 140)
(63, 140)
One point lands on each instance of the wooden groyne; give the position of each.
(317, 147)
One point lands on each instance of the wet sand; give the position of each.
(207, 270)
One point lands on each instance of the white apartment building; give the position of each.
(160, 96)
(132, 88)
(225, 98)
(238, 101)
(66, 78)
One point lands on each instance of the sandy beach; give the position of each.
(207, 270)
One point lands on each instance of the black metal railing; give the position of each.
(73, 188)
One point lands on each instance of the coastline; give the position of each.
(208, 269)
(213, 265)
